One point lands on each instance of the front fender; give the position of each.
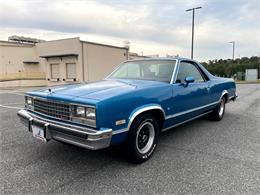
(120, 135)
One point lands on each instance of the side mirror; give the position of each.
(189, 79)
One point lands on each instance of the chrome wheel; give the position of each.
(145, 137)
(221, 107)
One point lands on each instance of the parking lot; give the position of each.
(202, 157)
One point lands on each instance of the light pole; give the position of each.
(192, 34)
(233, 53)
(233, 56)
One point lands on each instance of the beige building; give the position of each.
(57, 62)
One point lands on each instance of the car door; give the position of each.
(189, 99)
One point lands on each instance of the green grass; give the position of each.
(248, 82)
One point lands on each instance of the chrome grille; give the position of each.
(52, 108)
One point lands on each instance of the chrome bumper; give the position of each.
(72, 134)
(233, 98)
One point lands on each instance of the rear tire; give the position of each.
(142, 138)
(219, 111)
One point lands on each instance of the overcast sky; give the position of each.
(152, 26)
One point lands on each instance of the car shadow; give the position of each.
(184, 127)
(118, 153)
(115, 153)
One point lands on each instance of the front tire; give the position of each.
(143, 138)
(219, 111)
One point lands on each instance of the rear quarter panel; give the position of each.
(218, 85)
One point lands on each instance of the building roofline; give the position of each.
(58, 55)
(47, 41)
(89, 42)
(59, 40)
(17, 43)
(106, 45)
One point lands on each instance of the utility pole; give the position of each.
(192, 34)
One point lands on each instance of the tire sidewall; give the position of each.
(222, 115)
(133, 151)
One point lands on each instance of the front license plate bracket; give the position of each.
(39, 133)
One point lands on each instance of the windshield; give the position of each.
(156, 70)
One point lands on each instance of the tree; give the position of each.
(228, 67)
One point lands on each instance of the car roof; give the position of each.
(161, 58)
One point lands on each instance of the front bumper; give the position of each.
(72, 134)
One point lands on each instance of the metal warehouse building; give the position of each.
(56, 62)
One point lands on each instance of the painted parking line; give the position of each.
(16, 93)
(12, 92)
(8, 104)
(7, 91)
(11, 107)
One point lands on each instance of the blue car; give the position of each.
(133, 105)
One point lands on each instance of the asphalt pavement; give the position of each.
(201, 157)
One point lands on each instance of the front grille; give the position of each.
(52, 108)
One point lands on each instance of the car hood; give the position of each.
(97, 90)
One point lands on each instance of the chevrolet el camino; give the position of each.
(133, 105)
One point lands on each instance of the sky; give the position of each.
(151, 26)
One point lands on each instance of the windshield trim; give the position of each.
(135, 79)
(175, 70)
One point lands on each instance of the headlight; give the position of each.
(85, 115)
(29, 100)
(80, 111)
(90, 113)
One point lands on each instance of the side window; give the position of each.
(55, 71)
(188, 69)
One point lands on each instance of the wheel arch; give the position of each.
(225, 95)
(154, 109)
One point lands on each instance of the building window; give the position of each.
(55, 71)
(71, 70)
